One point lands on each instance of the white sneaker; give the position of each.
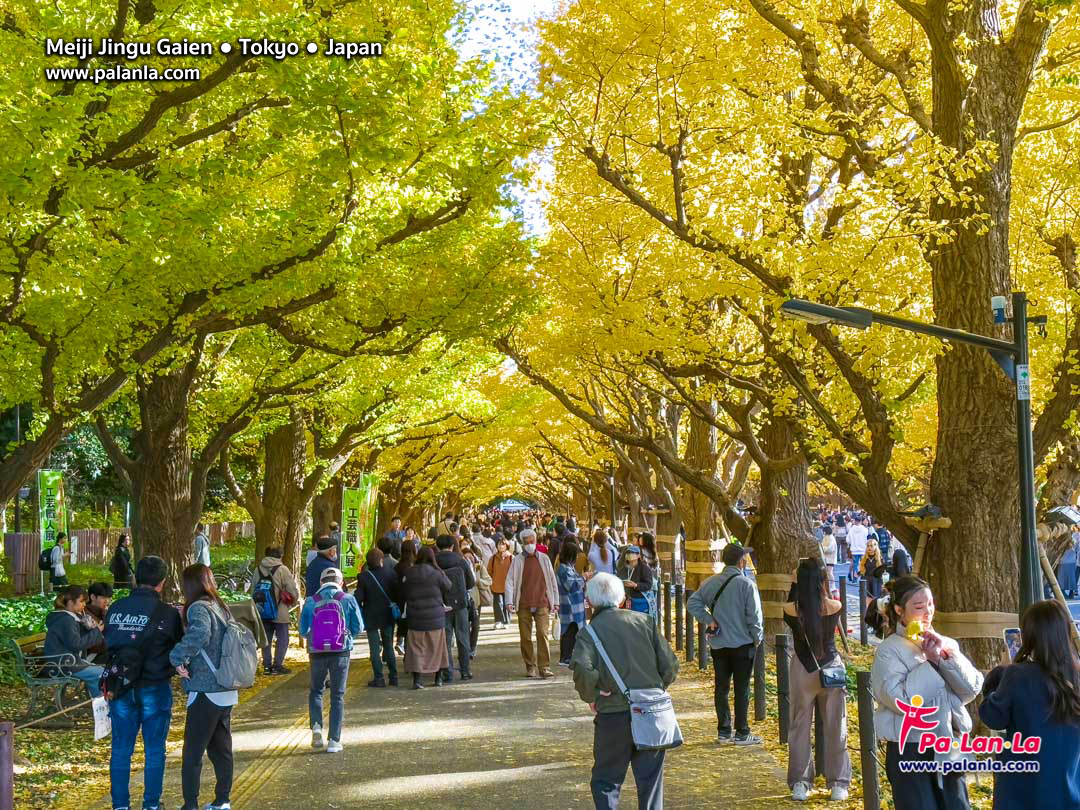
(316, 737)
(839, 794)
(801, 792)
(334, 747)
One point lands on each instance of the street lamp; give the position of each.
(1012, 356)
(609, 470)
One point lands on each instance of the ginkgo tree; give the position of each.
(139, 215)
(872, 154)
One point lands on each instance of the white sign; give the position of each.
(1023, 382)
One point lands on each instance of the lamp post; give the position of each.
(609, 470)
(1012, 356)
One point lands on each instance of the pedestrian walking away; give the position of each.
(729, 605)
(274, 592)
(643, 660)
(380, 613)
(329, 621)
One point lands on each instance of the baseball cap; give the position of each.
(732, 553)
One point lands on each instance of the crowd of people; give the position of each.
(421, 599)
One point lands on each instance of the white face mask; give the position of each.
(530, 548)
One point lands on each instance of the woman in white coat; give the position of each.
(917, 669)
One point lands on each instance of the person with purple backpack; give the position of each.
(329, 620)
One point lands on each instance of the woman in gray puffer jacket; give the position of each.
(208, 728)
(922, 670)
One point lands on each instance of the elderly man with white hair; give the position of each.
(533, 593)
(644, 660)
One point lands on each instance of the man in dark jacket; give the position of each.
(644, 660)
(326, 558)
(374, 592)
(460, 574)
(148, 628)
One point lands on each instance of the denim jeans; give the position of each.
(278, 631)
(336, 665)
(91, 676)
(381, 644)
(148, 707)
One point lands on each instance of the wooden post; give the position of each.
(678, 616)
(759, 683)
(867, 743)
(667, 611)
(843, 605)
(7, 766)
(862, 611)
(782, 685)
(689, 632)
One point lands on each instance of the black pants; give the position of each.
(613, 750)
(474, 626)
(566, 643)
(208, 730)
(923, 791)
(729, 662)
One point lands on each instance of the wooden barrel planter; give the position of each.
(702, 561)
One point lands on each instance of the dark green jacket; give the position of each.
(641, 655)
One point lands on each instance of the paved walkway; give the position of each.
(500, 741)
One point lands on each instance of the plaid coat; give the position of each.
(571, 597)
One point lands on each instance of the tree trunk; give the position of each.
(783, 533)
(1062, 483)
(161, 473)
(974, 565)
(279, 522)
(326, 508)
(696, 507)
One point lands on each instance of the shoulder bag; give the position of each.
(395, 611)
(653, 724)
(833, 676)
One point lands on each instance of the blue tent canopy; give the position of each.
(512, 505)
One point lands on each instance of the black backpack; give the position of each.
(124, 665)
(44, 562)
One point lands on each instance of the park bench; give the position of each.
(50, 691)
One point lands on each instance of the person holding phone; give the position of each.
(1038, 695)
(637, 579)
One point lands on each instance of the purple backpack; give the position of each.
(328, 624)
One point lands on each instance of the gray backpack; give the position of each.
(239, 657)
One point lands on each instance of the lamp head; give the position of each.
(812, 312)
(1063, 514)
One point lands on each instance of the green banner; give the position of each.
(52, 508)
(358, 513)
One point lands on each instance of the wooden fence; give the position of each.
(94, 546)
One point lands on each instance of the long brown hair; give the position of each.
(600, 538)
(1044, 630)
(426, 556)
(811, 591)
(197, 582)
